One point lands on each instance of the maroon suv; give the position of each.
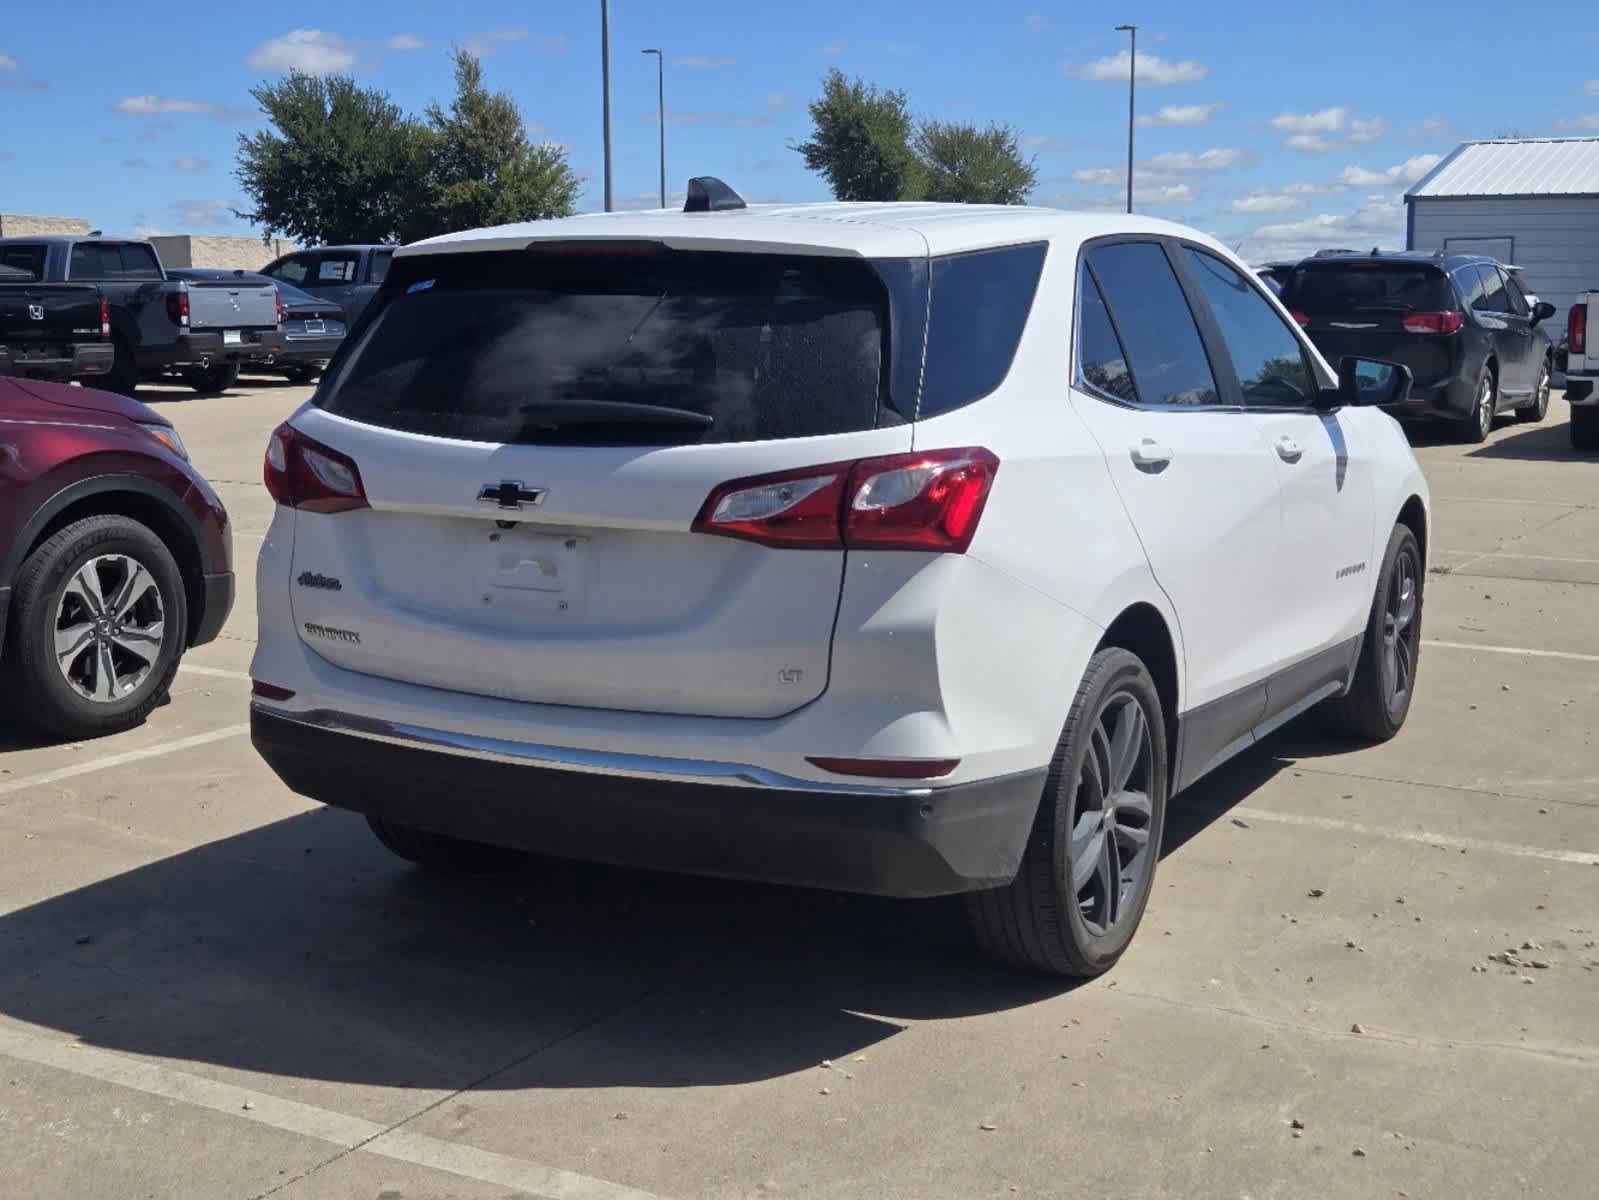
(115, 557)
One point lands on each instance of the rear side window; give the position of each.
(1167, 358)
(378, 271)
(335, 268)
(291, 270)
(644, 347)
(1518, 299)
(1101, 361)
(1267, 358)
(113, 261)
(1329, 288)
(979, 307)
(25, 263)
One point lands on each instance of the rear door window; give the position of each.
(1332, 288)
(336, 268)
(378, 271)
(1518, 299)
(291, 270)
(1146, 304)
(1101, 361)
(1267, 358)
(1493, 298)
(979, 308)
(614, 347)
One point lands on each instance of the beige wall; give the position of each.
(231, 253)
(17, 225)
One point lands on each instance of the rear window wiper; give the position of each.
(556, 414)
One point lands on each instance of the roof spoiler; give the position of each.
(707, 193)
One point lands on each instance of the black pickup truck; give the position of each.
(56, 331)
(158, 326)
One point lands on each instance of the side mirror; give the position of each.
(1542, 311)
(1367, 382)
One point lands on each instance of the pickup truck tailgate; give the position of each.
(48, 314)
(222, 304)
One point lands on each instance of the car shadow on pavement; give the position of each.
(301, 950)
(1549, 442)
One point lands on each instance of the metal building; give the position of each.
(1533, 202)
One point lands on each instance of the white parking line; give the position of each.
(1419, 836)
(338, 1129)
(218, 672)
(1474, 555)
(1571, 655)
(89, 766)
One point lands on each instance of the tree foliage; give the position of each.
(861, 141)
(343, 163)
(337, 165)
(969, 165)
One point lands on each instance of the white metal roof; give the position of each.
(1523, 167)
(867, 230)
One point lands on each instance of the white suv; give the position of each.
(901, 548)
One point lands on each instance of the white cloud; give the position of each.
(405, 42)
(312, 51)
(1309, 143)
(137, 164)
(1039, 23)
(1174, 193)
(1328, 120)
(831, 49)
(1262, 203)
(1406, 172)
(1313, 189)
(1591, 87)
(1180, 114)
(703, 61)
(150, 104)
(203, 212)
(778, 100)
(1153, 71)
(1375, 222)
(1042, 141)
(1186, 162)
(492, 41)
(1586, 121)
(8, 63)
(1368, 129)
(188, 163)
(1099, 175)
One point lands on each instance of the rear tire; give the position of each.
(1538, 407)
(447, 855)
(212, 380)
(1585, 428)
(1062, 915)
(123, 375)
(1474, 429)
(302, 375)
(1379, 697)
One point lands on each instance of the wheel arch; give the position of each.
(1413, 515)
(1141, 629)
(124, 496)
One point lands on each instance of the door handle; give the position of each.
(1148, 453)
(1289, 450)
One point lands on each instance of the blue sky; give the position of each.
(1278, 127)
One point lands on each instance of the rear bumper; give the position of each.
(58, 363)
(1453, 400)
(1580, 391)
(218, 604)
(667, 814)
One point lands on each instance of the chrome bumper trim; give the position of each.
(567, 758)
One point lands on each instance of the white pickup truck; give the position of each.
(1582, 370)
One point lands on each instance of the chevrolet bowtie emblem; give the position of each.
(511, 493)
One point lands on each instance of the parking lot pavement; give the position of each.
(214, 989)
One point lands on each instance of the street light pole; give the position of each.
(1132, 91)
(660, 111)
(605, 80)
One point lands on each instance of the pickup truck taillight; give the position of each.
(301, 472)
(178, 307)
(1577, 328)
(105, 317)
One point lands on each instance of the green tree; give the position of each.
(974, 166)
(482, 169)
(337, 165)
(861, 142)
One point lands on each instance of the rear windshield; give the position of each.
(618, 346)
(1366, 287)
(22, 262)
(112, 261)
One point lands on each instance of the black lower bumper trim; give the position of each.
(218, 604)
(946, 840)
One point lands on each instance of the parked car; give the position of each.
(1459, 322)
(771, 543)
(1582, 369)
(115, 558)
(159, 325)
(349, 276)
(1275, 274)
(56, 331)
(312, 329)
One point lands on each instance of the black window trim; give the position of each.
(1204, 320)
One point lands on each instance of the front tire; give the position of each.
(1378, 700)
(1538, 408)
(101, 623)
(442, 853)
(212, 380)
(1585, 427)
(1086, 875)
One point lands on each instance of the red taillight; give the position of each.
(888, 768)
(1577, 328)
(1304, 321)
(270, 691)
(301, 472)
(1433, 322)
(278, 299)
(928, 501)
(105, 317)
(178, 307)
